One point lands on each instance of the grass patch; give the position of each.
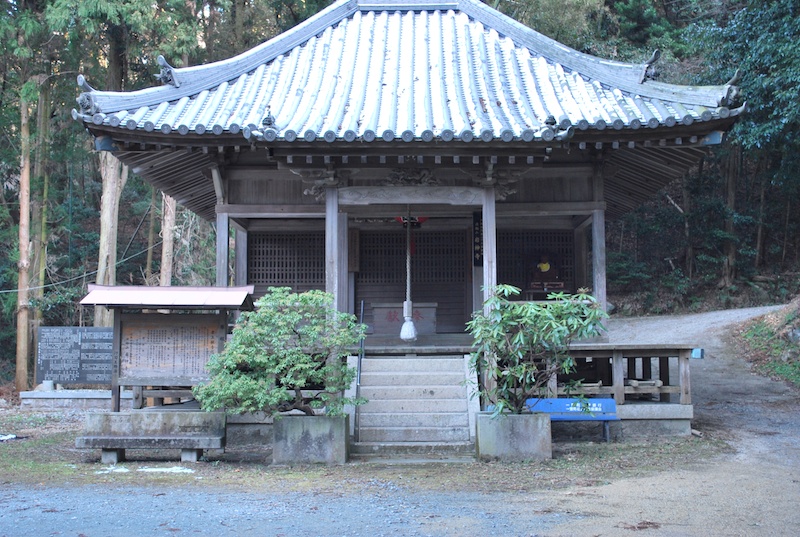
(772, 343)
(53, 459)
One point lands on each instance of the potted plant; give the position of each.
(519, 347)
(289, 356)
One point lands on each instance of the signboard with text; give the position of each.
(74, 355)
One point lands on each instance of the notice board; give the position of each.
(168, 349)
(75, 355)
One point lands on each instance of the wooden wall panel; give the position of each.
(291, 259)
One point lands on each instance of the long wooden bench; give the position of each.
(189, 431)
(571, 409)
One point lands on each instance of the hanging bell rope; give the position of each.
(408, 332)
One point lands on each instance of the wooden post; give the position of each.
(223, 228)
(581, 280)
(489, 242)
(333, 264)
(599, 235)
(685, 379)
(342, 247)
(663, 375)
(489, 263)
(116, 357)
(240, 258)
(599, 257)
(617, 377)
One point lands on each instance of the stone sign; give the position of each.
(74, 355)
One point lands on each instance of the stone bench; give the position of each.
(191, 432)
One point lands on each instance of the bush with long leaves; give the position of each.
(519, 346)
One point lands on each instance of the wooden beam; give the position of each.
(568, 208)
(410, 195)
(272, 211)
(219, 190)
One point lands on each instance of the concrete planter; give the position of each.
(513, 437)
(311, 440)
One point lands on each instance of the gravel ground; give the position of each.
(749, 490)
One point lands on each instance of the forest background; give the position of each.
(727, 234)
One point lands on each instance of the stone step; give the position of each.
(374, 393)
(433, 363)
(411, 378)
(413, 434)
(430, 419)
(413, 449)
(414, 405)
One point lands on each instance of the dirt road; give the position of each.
(751, 489)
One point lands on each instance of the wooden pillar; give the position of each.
(581, 247)
(489, 242)
(599, 235)
(684, 377)
(663, 376)
(342, 247)
(335, 249)
(618, 377)
(489, 266)
(599, 257)
(223, 229)
(240, 258)
(117, 357)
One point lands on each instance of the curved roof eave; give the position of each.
(670, 104)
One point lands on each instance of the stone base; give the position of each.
(655, 419)
(248, 429)
(513, 437)
(311, 440)
(86, 399)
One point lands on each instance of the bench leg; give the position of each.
(112, 456)
(191, 455)
(606, 432)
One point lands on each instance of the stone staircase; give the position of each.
(418, 405)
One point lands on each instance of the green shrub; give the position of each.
(520, 346)
(288, 354)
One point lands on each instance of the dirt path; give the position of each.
(751, 490)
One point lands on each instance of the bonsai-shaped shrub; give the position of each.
(290, 353)
(520, 346)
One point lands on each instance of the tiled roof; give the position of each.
(137, 296)
(406, 71)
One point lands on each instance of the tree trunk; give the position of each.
(114, 174)
(731, 176)
(168, 238)
(786, 231)
(687, 229)
(23, 307)
(760, 226)
(41, 174)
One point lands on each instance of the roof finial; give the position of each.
(269, 120)
(167, 74)
(648, 71)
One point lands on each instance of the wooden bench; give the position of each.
(189, 431)
(570, 409)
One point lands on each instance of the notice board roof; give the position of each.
(202, 298)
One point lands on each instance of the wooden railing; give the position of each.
(622, 370)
